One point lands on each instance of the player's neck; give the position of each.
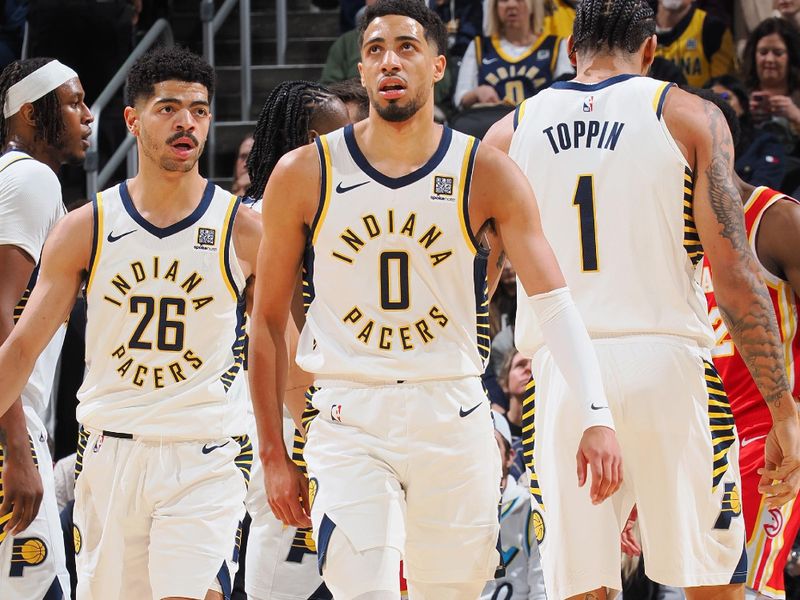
(600, 67)
(40, 151)
(396, 149)
(667, 19)
(165, 197)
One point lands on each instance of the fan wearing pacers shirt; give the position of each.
(44, 124)
(166, 256)
(635, 183)
(281, 561)
(385, 218)
(772, 222)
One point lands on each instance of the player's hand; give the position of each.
(780, 477)
(287, 492)
(486, 94)
(600, 451)
(630, 544)
(22, 490)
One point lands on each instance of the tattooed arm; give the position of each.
(702, 132)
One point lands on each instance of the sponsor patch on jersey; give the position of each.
(543, 55)
(443, 188)
(691, 44)
(206, 236)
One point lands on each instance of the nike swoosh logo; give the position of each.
(593, 407)
(207, 448)
(488, 61)
(753, 439)
(464, 413)
(113, 238)
(340, 189)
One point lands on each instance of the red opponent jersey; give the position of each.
(749, 409)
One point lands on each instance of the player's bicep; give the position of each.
(16, 267)
(500, 134)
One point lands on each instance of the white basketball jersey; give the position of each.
(395, 281)
(30, 205)
(165, 333)
(615, 195)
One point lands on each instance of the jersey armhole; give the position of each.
(519, 112)
(660, 97)
(225, 254)
(324, 188)
(465, 182)
(97, 238)
(478, 51)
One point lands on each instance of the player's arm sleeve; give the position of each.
(719, 48)
(30, 204)
(467, 75)
(563, 64)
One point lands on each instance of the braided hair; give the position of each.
(283, 125)
(612, 24)
(46, 110)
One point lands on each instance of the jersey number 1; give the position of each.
(584, 200)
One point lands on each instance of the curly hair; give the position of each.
(612, 24)
(166, 63)
(283, 125)
(790, 37)
(435, 31)
(46, 110)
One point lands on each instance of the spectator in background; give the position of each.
(515, 374)
(789, 10)
(241, 179)
(760, 157)
(464, 19)
(560, 17)
(747, 15)
(700, 44)
(772, 74)
(354, 96)
(515, 60)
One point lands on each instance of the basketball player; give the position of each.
(44, 124)
(163, 459)
(635, 181)
(281, 561)
(772, 223)
(386, 217)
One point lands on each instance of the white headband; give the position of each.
(32, 87)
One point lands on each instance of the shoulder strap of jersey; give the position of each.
(97, 238)
(227, 241)
(519, 112)
(478, 50)
(760, 200)
(325, 186)
(660, 96)
(16, 159)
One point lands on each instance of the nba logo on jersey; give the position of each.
(336, 413)
(588, 104)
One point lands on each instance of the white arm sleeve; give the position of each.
(30, 204)
(566, 337)
(467, 75)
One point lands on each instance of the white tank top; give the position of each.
(394, 281)
(615, 195)
(165, 333)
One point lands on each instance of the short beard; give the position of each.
(394, 112)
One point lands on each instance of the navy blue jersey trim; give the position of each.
(397, 182)
(95, 235)
(162, 232)
(323, 175)
(227, 250)
(325, 531)
(662, 99)
(465, 198)
(592, 87)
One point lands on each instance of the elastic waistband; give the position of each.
(153, 438)
(371, 383)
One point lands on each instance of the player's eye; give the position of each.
(201, 112)
(166, 109)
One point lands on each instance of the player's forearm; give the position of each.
(747, 310)
(14, 372)
(268, 374)
(14, 432)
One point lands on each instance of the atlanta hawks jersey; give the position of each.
(394, 279)
(749, 409)
(30, 205)
(165, 331)
(615, 195)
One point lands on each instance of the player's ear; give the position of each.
(361, 74)
(26, 113)
(312, 135)
(571, 50)
(439, 65)
(131, 120)
(648, 53)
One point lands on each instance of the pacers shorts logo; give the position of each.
(731, 507)
(313, 485)
(536, 526)
(77, 539)
(26, 552)
(775, 524)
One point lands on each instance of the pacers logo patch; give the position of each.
(26, 552)
(536, 527)
(313, 485)
(77, 539)
(731, 507)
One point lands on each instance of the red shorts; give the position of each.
(770, 531)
